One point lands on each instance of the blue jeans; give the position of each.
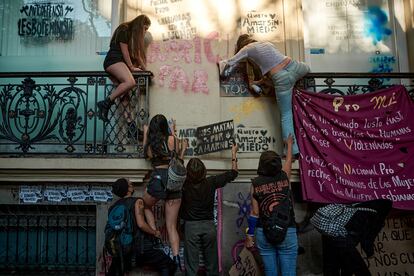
(283, 81)
(281, 257)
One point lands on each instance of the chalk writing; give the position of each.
(214, 137)
(46, 20)
(363, 154)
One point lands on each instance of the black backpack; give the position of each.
(122, 236)
(276, 224)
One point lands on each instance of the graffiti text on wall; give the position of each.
(254, 139)
(187, 51)
(46, 20)
(382, 63)
(260, 23)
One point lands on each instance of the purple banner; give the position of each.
(356, 148)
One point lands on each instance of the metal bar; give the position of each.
(27, 239)
(38, 250)
(67, 239)
(360, 75)
(66, 74)
(17, 239)
(47, 239)
(57, 240)
(87, 240)
(7, 237)
(77, 239)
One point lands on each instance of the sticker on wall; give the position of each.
(30, 194)
(55, 193)
(78, 193)
(101, 193)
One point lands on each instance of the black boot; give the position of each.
(177, 261)
(103, 109)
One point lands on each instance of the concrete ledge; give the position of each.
(105, 170)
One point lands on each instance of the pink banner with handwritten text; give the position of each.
(356, 148)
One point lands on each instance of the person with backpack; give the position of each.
(161, 146)
(197, 211)
(129, 237)
(272, 219)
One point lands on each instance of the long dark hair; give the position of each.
(157, 136)
(242, 41)
(136, 33)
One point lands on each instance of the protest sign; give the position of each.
(214, 137)
(356, 148)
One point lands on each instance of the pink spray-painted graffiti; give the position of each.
(173, 75)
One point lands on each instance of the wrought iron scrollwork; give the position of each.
(43, 115)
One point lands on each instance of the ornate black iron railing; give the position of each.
(47, 239)
(355, 83)
(55, 113)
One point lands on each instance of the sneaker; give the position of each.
(103, 109)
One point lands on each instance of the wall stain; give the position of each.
(246, 109)
(376, 24)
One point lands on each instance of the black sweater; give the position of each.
(198, 198)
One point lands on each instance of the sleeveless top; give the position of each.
(269, 191)
(159, 160)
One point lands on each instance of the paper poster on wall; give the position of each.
(356, 148)
(350, 36)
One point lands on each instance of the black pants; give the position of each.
(154, 258)
(200, 236)
(341, 258)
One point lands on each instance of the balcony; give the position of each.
(355, 83)
(55, 114)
